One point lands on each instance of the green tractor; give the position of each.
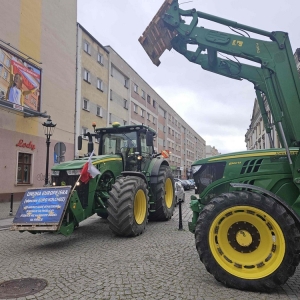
(135, 184)
(132, 184)
(246, 211)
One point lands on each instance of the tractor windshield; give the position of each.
(207, 174)
(113, 143)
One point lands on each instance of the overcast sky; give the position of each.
(216, 107)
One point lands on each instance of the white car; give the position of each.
(179, 193)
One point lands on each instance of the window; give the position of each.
(135, 88)
(165, 114)
(126, 82)
(135, 108)
(109, 118)
(99, 84)
(5, 74)
(154, 120)
(143, 94)
(100, 59)
(99, 111)
(110, 95)
(24, 167)
(7, 62)
(87, 75)
(125, 104)
(87, 47)
(148, 99)
(142, 113)
(154, 103)
(84, 131)
(86, 104)
(148, 116)
(164, 143)
(1, 56)
(164, 129)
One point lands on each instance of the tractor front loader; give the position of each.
(246, 218)
(135, 185)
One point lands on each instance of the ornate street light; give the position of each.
(48, 130)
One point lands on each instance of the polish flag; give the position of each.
(88, 171)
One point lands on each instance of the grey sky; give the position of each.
(218, 108)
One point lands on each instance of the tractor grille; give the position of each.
(82, 189)
(251, 166)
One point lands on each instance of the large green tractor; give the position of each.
(132, 184)
(135, 184)
(246, 212)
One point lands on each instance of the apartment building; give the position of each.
(37, 80)
(211, 151)
(256, 136)
(92, 85)
(126, 98)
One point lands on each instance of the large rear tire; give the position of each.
(164, 195)
(247, 241)
(128, 206)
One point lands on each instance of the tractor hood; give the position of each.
(247, 154)
(79, 163)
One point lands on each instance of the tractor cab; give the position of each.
(133, 143)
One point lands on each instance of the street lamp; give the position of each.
(48, 130)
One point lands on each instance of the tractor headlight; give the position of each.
(54, 173)
(196, 168)
(73, 172)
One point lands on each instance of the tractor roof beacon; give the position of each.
(246, 219)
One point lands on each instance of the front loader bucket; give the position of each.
(157, 37)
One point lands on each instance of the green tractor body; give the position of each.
(265, 171)
(134, 184)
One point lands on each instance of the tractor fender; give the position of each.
(136, 174)
(155, 169)
(270, 194)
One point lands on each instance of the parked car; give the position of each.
(185, 184)
(179, 193)
(192, 183)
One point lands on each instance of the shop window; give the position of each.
(24, 168)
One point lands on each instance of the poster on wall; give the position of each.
(20, 81)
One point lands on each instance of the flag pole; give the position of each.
(75, 184)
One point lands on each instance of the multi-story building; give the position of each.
(37, 79)
(92, 85)
(211, 151)
(126, 98)
(256, 136)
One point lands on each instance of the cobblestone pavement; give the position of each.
(92, 263)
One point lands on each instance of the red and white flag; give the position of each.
(88, 171)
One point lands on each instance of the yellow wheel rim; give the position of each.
(169, 193)
(247, 242)
(140, 207)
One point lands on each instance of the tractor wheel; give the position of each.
(247, 241)
(164, 196)
(128, 206)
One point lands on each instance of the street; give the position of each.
(92, 263)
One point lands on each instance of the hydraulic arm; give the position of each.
(277, 77)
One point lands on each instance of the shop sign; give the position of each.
(22, 144)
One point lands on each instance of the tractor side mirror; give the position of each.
(149, 138)
(79, 141)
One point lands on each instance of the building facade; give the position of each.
(37, 79)
(211, 151)
(126, 98)
(256, 136)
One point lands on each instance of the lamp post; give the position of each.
(48, 130)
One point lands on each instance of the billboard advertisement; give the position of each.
(20, 81)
